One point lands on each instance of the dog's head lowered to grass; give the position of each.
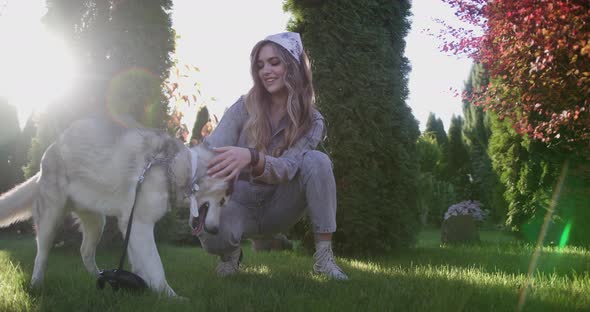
(205, 195)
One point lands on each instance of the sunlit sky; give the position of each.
(218, 41)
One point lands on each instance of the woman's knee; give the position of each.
(221, 243)
(229, 235)
(316, 161)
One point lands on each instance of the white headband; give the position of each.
(291, 41)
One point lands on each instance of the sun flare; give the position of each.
(36, 71)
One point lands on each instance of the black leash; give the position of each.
(119, 278)
(128, 233)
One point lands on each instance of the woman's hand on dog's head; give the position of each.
(228, 163)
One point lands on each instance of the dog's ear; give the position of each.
(230, 187)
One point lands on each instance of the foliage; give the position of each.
(123, 53)
(436, 194)
(458, 166)
(361, 75)
(175, 127)
(537, 54)
(568, 209)
(429, 153)
(476, 127)
(200, 122)
(573, 207)
(48, 128)
(436, 127)
(180, 88)
(26, 138)
(34, 158)
(476, 133)
(528, 171)
(9, 139)
(13, 154)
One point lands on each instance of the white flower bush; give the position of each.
(468, 207)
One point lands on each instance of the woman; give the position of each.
(266, 141)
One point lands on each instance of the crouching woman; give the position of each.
(266, 141)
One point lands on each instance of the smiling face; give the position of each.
(271, 70)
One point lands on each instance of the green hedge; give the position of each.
(361, 77)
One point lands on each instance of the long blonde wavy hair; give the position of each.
(300, 101)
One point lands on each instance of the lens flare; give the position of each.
(565, 235)
(541, 238)
(134, 93)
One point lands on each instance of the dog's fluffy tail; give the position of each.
(15, 205)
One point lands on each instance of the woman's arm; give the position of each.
(275, 170)
(231, 160)
(271, 170)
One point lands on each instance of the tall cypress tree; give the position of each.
(201, 120)
(527, 179)
(436, 194)
(9, 133)
(477, 125)
(141, 41)
(458, 164)
(24, 143)
(123, 51)
(361, 74)
(477, 132)
(436, 127)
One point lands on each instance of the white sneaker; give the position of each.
(325, 264)
(229, 264)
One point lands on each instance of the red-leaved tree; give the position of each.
(537, 54)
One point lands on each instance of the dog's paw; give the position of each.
(180, 298)
(35, 288)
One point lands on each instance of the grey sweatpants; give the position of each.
(261, 209)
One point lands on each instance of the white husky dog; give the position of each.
(96, 164)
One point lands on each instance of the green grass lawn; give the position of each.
(426, 278)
